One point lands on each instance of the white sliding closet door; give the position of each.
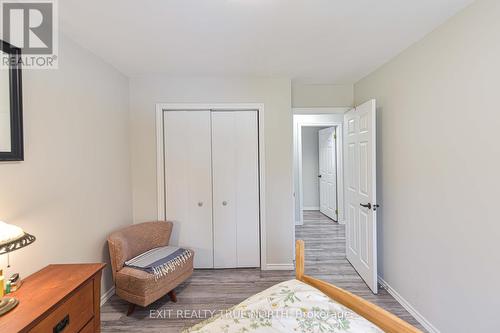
(235, 189)
(188, 182)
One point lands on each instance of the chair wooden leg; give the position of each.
(131, 308)
(172, 296)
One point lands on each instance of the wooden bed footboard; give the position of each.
(380, 317)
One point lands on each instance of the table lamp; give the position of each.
(12, 238)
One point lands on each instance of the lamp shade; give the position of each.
(13, 238)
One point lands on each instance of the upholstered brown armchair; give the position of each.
(137, 286)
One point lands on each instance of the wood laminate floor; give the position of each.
(213, 290)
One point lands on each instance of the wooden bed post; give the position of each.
(385, 320)
(299, 260)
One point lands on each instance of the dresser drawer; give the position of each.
(89, 328)
(72, 315)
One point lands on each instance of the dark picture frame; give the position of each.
(16, 105)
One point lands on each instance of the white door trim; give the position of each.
(321, 110)
(340, 168)
(160, 163)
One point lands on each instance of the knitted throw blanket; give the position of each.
(161, 260)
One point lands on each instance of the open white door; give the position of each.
(361, 191)
(327, 173)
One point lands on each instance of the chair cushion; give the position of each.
(142, 288)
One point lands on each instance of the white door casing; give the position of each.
(235, 189)
(360, 180)
(328, 172)
(188, 182)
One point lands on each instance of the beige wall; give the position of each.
(439, 162)
(74, 186)
(146, 91)
(321, 95)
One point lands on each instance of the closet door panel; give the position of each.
(247, 189)
(224, 166)
(236, 189)
(188, 182)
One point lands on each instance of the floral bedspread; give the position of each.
(290, 306)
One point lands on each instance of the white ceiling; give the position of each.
(319, 41)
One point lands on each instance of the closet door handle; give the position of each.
(200, 203)
(224, 203)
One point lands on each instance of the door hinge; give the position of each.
(337, 211)
(335, 136)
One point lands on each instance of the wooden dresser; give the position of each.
(58, 298)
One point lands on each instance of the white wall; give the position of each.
(310, 167)
(321, 95)
(74, 186)
(439, 162)
(146, 91)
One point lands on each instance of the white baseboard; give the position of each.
(279, 267)
(107, 295)
(310, 208)
(405, 304)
